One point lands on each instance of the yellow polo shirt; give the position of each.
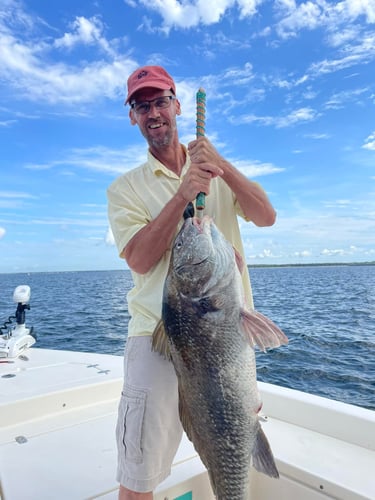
(136, 198)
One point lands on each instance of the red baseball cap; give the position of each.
(149, 76)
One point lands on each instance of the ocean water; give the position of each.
(328, 314)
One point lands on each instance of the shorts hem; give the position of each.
(142, 485)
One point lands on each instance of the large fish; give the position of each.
(210, 338)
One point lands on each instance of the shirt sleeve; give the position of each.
(127, 212)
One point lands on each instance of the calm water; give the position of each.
(328, 313)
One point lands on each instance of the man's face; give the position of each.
(158, 125)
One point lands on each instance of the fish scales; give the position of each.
(222, 407)
(210, 339)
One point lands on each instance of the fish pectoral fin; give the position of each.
(160, 341)
(263, 460)
(261, 331)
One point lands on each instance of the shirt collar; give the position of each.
(158, 168)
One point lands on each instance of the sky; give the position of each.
(290, 95)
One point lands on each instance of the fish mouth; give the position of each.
(202, 225)
(197, 232)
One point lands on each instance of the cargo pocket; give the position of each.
(130, 426)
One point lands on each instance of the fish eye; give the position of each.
(179, 243)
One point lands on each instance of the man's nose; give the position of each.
(154, 110)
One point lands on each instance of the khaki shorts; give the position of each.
(148, 428)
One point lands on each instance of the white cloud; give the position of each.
(317, 136)
(362, 51)
(84, 31)
(341, 99)
(333, 16)
(256, 168)
(370, 142)
(292, 17)
(294, 117)
(329, 253)
(109, 238)
(248, 7)
(23, 63)
(97, 159)
(59, 83)
(7, 123)
(66, 222)
(303, 254)
(306, 15)
(266, 254)
(240, 76)
(118, 161)
(212, 42)
(339, 204)
(356, 8)
(343, 36)
(2, 232)
(188, 14)
(15, 194)
(14, 199)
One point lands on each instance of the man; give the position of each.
(146, 207)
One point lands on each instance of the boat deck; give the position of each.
(58, 414)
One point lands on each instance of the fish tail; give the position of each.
(263, 460)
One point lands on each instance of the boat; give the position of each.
(58, 413)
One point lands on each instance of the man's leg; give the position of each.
(125, 494)
(148, 428)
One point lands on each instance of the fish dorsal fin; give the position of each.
(261, 331)
(160, 341)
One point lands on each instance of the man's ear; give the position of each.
(133, 121)
(178, 107)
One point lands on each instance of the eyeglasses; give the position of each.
(142, 108)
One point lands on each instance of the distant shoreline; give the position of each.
(250, 266)
(320, 264)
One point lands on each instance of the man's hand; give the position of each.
(251, 197)
(204, 167)
(202, 151)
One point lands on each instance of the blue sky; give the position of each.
(290, 101)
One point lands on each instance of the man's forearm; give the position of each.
(251, 197)
(149, 244)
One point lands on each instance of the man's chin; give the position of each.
(159, 142)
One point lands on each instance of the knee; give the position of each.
(125, 494)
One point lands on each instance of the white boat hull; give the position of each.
(58, 414)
